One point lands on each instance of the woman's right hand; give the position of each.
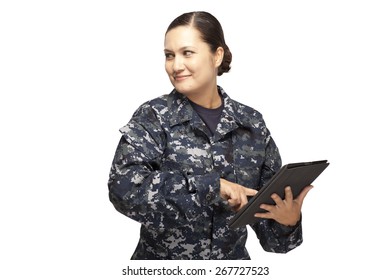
(235, 194)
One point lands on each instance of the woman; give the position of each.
(187, 161)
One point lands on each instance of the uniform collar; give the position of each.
(179, 107)
(182, 111)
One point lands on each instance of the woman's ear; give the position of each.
(219, 53)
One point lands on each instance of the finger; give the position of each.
(303, 194)
(250, 192)
(277, 199)
(244, 199)
(233, 202)
(240, 203)
(267, 207)
(288, 195)
(263, 215)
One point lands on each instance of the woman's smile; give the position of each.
(179, 78)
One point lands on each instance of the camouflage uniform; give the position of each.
(166, 172)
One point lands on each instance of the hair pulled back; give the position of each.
(211, 32)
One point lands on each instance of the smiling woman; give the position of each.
(187, 161)
(192, 64)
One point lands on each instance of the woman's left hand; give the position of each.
(286, 212)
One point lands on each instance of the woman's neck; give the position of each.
(209, 100)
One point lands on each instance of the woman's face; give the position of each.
(191, 66)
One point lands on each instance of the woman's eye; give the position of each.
(188, 53)
(168, 55)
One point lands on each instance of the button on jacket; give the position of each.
(166, 175)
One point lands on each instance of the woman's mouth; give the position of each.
(181, 77)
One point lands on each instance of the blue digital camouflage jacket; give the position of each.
(166, 172)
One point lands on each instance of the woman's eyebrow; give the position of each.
(181, 49)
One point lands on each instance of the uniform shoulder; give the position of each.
(247, 114)
(147, 116)
(156, 106)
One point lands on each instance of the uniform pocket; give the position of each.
(248, 177)
(185, 168)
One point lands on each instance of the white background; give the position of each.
(73, 72)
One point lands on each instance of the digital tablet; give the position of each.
(295, 175)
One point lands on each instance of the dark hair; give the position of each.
(211, 33)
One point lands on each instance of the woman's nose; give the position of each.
(178, 64)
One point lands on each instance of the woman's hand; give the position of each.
(286, 212)
(235, 194)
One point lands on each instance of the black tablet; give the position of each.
(295, 175)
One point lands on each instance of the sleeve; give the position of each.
(140, 190)
(273, 236)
